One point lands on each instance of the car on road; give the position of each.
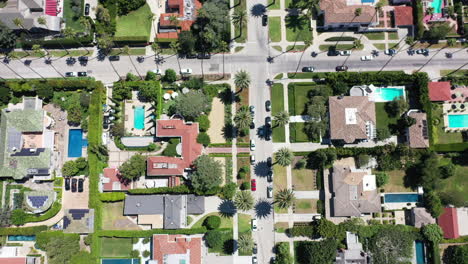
(67, 184)
(252, 159)
(269, 192)
(268, 105)
(114, 58)
(264, 20)
(344, 52)
(268, 120)
(308, 69)
(191, 56)
(82, 74)
(449, 55)
(80, 185)
(253, 185)
(252, 109)
(367, 58)
(255, 248)
(272, 260)
(186, 71)
(157, 71)
(254, 260)
(204, 56)
(254, 224)
(332, 52)
(313, 54)
(73, 186)
(71, 74)
(269, 161)
(270, 176)
(86, 9)
(252, 144)
(390, 52)
(422, 51)
(252, 125)
(341, 68)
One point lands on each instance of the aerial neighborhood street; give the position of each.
(233, 131)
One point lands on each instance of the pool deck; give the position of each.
(447, 110)
(129, 116)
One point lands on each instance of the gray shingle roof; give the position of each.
(144, 204)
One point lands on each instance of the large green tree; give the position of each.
(397, 106)
(391, 244)
(60, 247)
(7, 39)
(283, 256)
(456, 254)
(207, 174)
(316, 252)
(433, 233)
(133, 168)
(191, 105)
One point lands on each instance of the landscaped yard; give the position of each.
(135, 24)
(116, 247)
(279, 183)
(298, 97)
(298, 28)
(396, 182)
(277, 105)
(237, 31)
(393, 35)
(274, 28)
(379, 46)
(296, 133)
(241, 162)
(136, 51)
(226, 247)
(280, 227)
(113, 218)
(273, 4)
(339, 47)
(306, 206)
(438, 133)
(226, 222)
(295, 48)
(456, 186)
(68, 13)
(454, 73)
(303, 179)
(383, 119)
(375, 35)
(244, 223)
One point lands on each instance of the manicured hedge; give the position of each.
(165, 40)
(149, 233)
(25, 231)
(112, 196)
(181, 189)
(62, 84)
(345, 38)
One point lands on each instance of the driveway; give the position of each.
(76, 200)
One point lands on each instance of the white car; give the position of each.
(71, 74)
(252, 159)
(269, 192)
(186, 71)
(254, 224)
(367, 58)
(157, 71)
(254, 260)
(344, 52)
(252, 144)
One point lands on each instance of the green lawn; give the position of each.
(297, 97)
(135, 24)
(296, 133)
(393, 35)
(136, 51)
(306, 206)
(113, 218)
(226, 247)
(68, 13)
(274, 28)
(277, 105)
(383, 119)
(116, 247)
(456, 185)
(454, 73)
(278, 48)
(237, 30)
(298, 28)
(280, 227)
(273, 4)
(244, 223)
(296, 48)
(438, 133)
(339, 47)
(379, 46)
(226, 222)
(393, 45)
(303, 179)
(375, 35)
(279, 183)
(396, 182)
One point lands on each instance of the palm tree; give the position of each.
(409, 41)
(281, 118)
(358, 11)
(357, 44)
(71, 34)
(451, 42)
(242, 80)
(430, 11)
(245, 243)
(284, 198)
(38, 50)
(174, 21)
(284, 157)
(43, 21)
(19, 23)
(243, 118)
(244, 200)
(126, 51)
(223, 46)
(175, 48)
(239, 18)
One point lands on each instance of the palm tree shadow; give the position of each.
(227, 208)
(258, 10)
(263, 208)
(261, 169)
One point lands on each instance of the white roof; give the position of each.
(368, 183)
(350, 115)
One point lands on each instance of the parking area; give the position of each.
(77, 200)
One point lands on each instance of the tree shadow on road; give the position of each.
(258, 10)
(263, 208)
(227, 208)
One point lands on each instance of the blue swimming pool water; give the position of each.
(437, 5)
(76, 143)
(458, 121)
(120, 261)
(139, 117)
(21, 238)
(401, 198)
(388, 94)
(367, 1)
(420, 259)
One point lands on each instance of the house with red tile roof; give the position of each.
(112, 181)
(439, 91)
(341, 14)
(448, 221)
(184, 11)
(177, 249)
(190, 149)
(403, 16)
(13, 260)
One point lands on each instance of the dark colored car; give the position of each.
(114, 58)
(268, 105)
(254, 249)
(86, 9)
(269, 161)
(82, 74)
(73, 186)
(341, 68)
(205, 56)
(449, 55)
(253, 185)
(264, 20)
(332, 52)
(252, 125)
(80, 185)
(308, 69)
(270, 176)
(27, 62)
(67, 184)
(268, 120)
(191, 56)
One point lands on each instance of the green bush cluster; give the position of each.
(181, 189)
(24, 231)
(112, 196)
(149, 233)
(344, 38)
(204, 139)
(212, 222)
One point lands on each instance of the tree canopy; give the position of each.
(191, 105)
(316, 252)
(133, 168)
(397, 106)
(391, 243)
(7, 38)
(207, 174)
(432, 232)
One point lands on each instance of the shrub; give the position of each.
(245, 168)
(170, 76)
(241, 175)
(125, 6)
(228, 191)
(18, 217)
(131, 77)
(151, 147)
(135, 254)
(181, 189)
(25, 231)
(112, 196)
(381, 178)
(245, 186)
(300, 164)
(146, 253)
(151, 76)
(204, 139)
(88, 240)
(214, 239)
(363, 160)
(146, 240)
(320, 207)
(203, 123)
(305, 231)
(212, 222)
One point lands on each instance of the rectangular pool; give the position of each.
(76, 143)
(139, 117)
(420, 254)
(458, 121)
(387, 94)
(120, 261)
(437, 5)
(401, 198)
(21, 238)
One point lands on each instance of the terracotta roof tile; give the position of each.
(403, 15)
(448, 221)
(439, 91)
(164, 245)
(115, 183)
(337, 11)
(14, 260)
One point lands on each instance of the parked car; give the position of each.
(114, 58)
(268, 120)
(270, 176)
(253, 185)
(344, 52)
(449, 55)
(252, 144)
(308, 69)
(254, 260)
(157, 71)
(252, 159)
(270, 192)
(254, 224)
(80, 185)
(82, 74)
(191, 56)
(390, 52)
(268, 105)
(269, 161)
(186, 71)
(422, 51)
(367, 58)
(67, 184)
(332, 52)
(341, 68)
(86, 9)
(205, 56)
(71, 74)
(254, 249)
(73, 186)
(264, 20)
(252, 109)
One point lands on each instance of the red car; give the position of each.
(253, 185)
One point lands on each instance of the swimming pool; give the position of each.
(458, 121)
(139, 117)
(387, 94)
(401, 198)
(21, 238)
(76, 143)
(437, 5)
(120, 261)
(420, 258)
